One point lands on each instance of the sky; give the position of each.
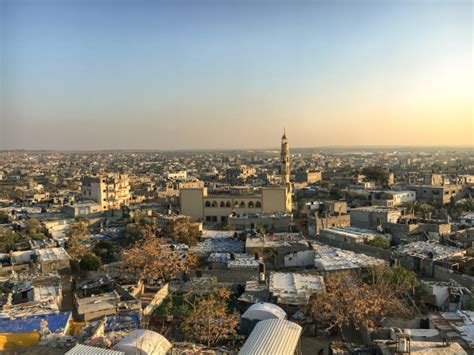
(177, 74)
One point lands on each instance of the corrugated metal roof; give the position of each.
(80, 349)
(272, 336)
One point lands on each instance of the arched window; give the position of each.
(214, 204)
(236, 204)
(242, 204)
(228, 204)
(250, 204)
(207, 204)
(258, 204)
(222, 204)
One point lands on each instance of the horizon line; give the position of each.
(463, 146)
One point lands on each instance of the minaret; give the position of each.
(285, 160)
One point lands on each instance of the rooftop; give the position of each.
(294, 288)
(328, 258)
(430, 249)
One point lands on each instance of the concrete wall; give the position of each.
(240, 276)
(444, 274)
(274, 200)
(300, 259)
(192, 202)
(358, 248)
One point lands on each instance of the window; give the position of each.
(250, 204)
(242, 204)
(258, 204)
(208, 218)
(236, 204)
(228, 204)
(207, 204)
(222, 204)
(214, 218)
(214, 204)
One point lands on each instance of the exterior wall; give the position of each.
(336, 206)
(192, 202)
(371, 219)
(216, 206)
(433, 179)
(308, 176)
(300, 259)
(316, 224)
(82, 210)
(445, 274)
(275, 224)
(233, 275)
(173, 188)
(276, 199)
(178, 175)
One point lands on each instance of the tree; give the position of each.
(352, 301)
(135, 232)
(155, 259)
(424, 208)
(183, 230)
(379, 242)
(90, 262)
(34, 229)
(376, 174)
(210, 320)
(105, 250)
(4, 219)
(76, 235)
(8, 239)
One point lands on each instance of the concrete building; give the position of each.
(82, 209)
(374, 217)
(111, 191)
(309, 177)
(276, 247)
(439, 194)
(216, 207)
(433, 179)
(392, 198)
(294, 288)
(315, 223)
(348, 235)
(331, 259)
(173, 187)
(179, 175)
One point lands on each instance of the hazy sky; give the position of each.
(114, 74)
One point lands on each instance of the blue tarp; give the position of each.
(56, 323)
(123, 322)
(221, 245)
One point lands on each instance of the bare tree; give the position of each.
(155, 259)
(351, 301)
(210, 321)
(77, 234)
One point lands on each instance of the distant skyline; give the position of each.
(180, 75)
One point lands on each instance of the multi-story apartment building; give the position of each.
(440, 194)
(110, 191)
